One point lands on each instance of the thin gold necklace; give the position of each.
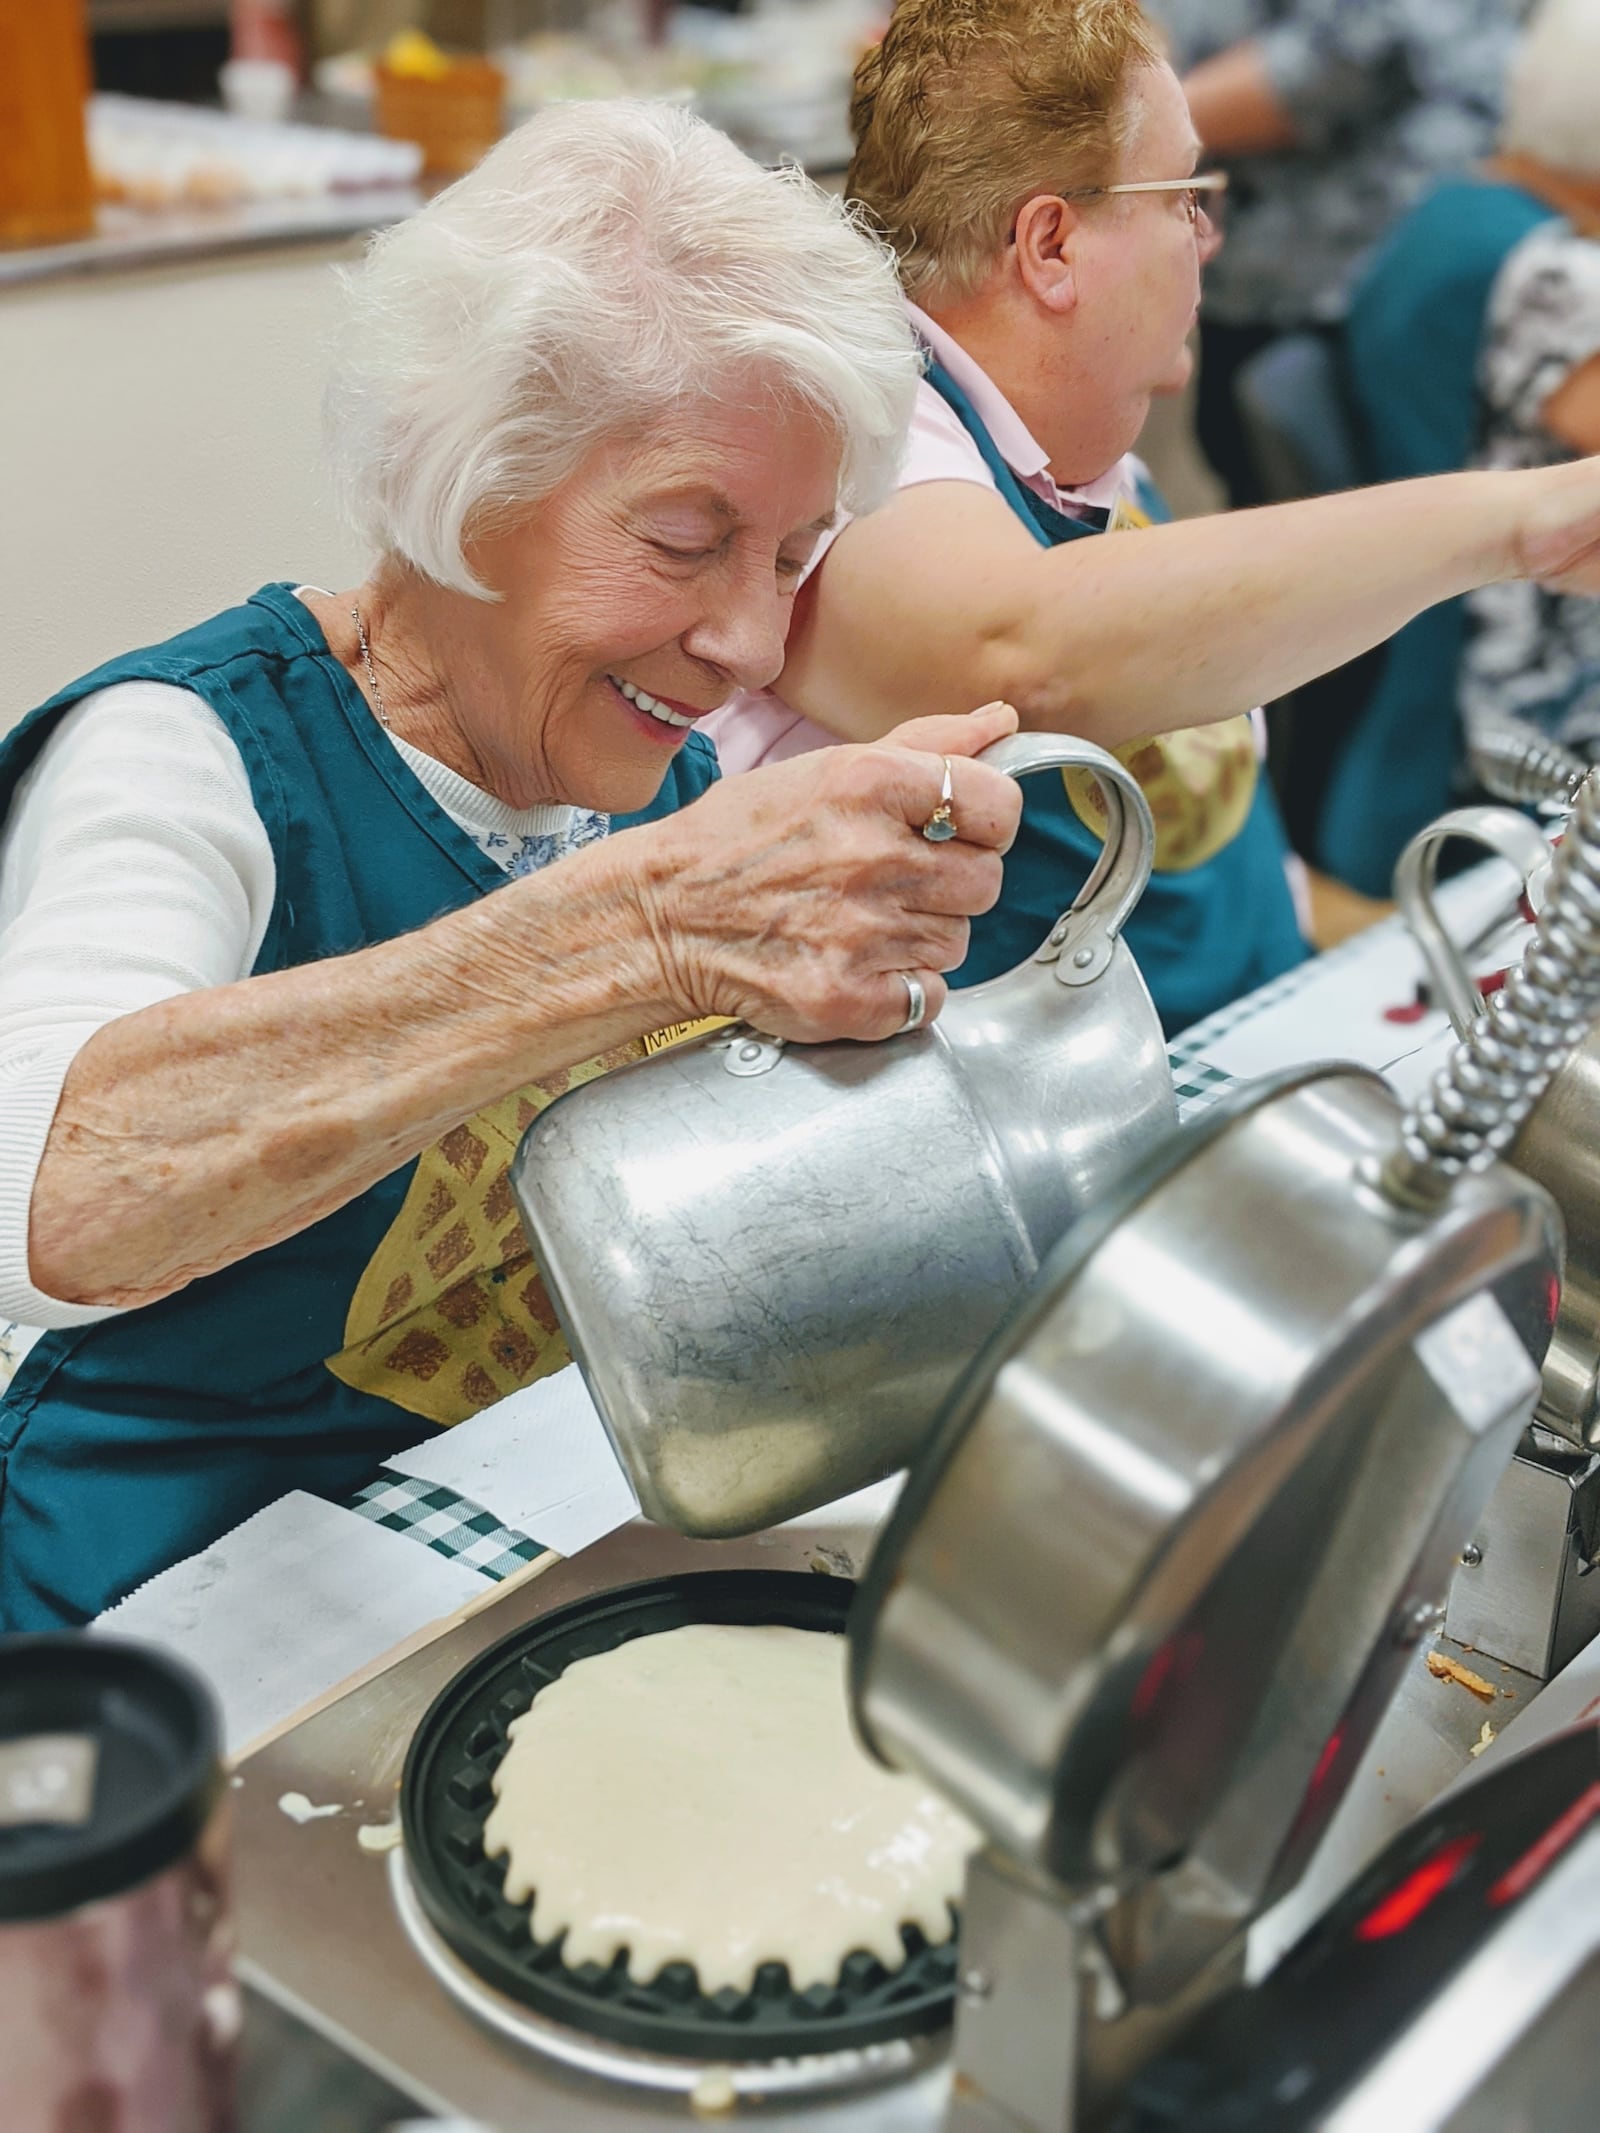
(372, 672)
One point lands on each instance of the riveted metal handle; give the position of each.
(1479, 1101)
(1081, 941)
(1515, 839)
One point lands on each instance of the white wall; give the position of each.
(160, 456)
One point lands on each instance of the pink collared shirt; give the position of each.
(759, 727)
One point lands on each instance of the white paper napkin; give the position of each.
(290, 1603)
(864, 1509)
(1338, 1014)
(540, 1460)
(1342, 1009)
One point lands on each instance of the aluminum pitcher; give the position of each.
(1559, 1142)
(772, 1260)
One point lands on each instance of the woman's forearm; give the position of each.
(192, 1133)
(1204, 618)
(941, 599)
(1234, 106)
(214, 1124)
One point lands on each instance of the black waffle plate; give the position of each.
(445, 1799)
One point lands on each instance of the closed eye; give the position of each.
(686, 555)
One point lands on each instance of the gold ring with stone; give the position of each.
(940, 826)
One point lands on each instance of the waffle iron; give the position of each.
(667, 2032)
(1156, 1576)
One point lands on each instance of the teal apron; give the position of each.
(1412, 342)
(131, 1443)
(1202, 937)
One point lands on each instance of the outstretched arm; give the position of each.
(942, 599)
(211, 1125)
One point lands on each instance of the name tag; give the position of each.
(680, 1032)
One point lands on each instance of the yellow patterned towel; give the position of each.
(451, 1313)
(1200, 783)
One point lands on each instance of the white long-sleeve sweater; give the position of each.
(134, 867)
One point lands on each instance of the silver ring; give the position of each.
(917, 1003)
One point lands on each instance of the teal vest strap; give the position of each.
(129, 1444)
(1048, 526)
(1201, 938)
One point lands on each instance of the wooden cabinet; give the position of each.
(46, 193)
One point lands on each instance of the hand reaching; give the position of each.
(800, 896)
(1558, 541)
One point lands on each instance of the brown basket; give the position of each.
(453, 120)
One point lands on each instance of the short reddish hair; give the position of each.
(968, 107)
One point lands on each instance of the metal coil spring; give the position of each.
(1517, 764)
(1477, 1103)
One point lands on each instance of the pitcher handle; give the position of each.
(1081, 941)
(1498, 829)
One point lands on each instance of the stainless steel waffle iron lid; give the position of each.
(1154, 1578)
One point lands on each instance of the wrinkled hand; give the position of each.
(1559, 537)
(793, 897)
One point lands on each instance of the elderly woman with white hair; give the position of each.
(305, 913)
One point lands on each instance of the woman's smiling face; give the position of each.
(657, 580)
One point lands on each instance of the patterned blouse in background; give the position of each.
(1386, 95)
(1535, 655)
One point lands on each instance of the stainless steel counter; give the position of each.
(127, 239)
(293, 2080)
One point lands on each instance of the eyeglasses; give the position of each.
(1213, 182)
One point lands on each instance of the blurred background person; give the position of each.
(1050, 318)
(1333, 117)
(1473, 338)
(1531, 654)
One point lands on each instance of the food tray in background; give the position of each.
(156, 156)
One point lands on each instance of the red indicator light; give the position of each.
(1168, 1667)
(1518, 1879)
(1327, 1759)
(1403, 1906)
(1153, 1680)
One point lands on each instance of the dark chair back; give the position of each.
(1297, 418)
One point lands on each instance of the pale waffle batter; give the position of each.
(698, 1796)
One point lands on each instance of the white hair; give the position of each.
(604, 264)
(1553, 98)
